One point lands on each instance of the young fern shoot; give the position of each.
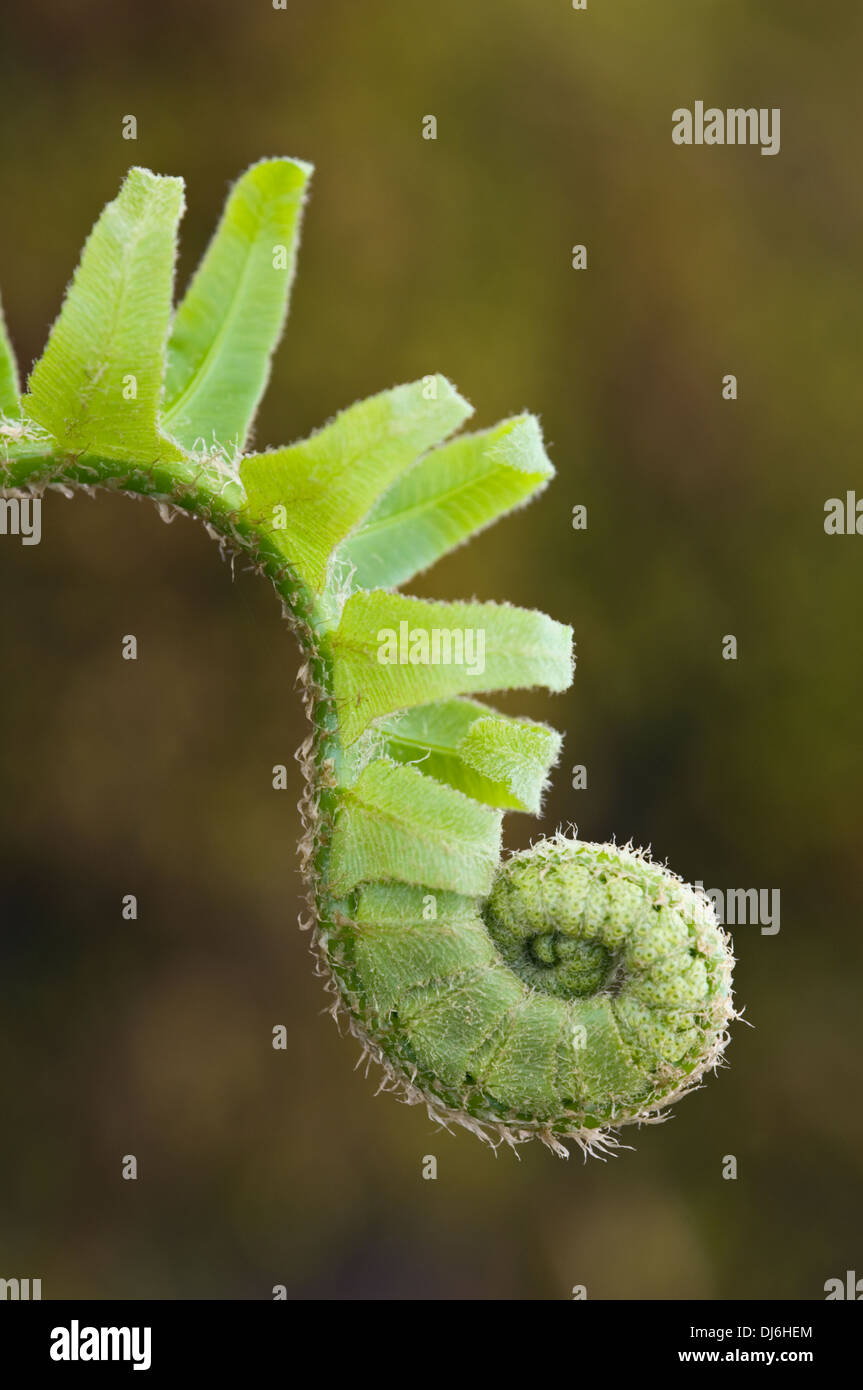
(557, 993)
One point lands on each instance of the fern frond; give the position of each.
(383, 654)
(98, 386)
(501, 761)
(556, 994)
(396, 825)
(446, 498)
(9, 383)
(309, 496)
(234, 311)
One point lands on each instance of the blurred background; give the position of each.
(705, 518)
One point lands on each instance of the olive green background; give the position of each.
(259, 1167)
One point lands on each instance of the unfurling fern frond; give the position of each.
(558, 993)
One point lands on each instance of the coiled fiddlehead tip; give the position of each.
(589, 990)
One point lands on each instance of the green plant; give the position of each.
(560, 993)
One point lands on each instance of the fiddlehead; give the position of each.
(558, 993)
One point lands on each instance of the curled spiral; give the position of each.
(590, 990)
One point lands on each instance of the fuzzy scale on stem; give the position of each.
(556, 994)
